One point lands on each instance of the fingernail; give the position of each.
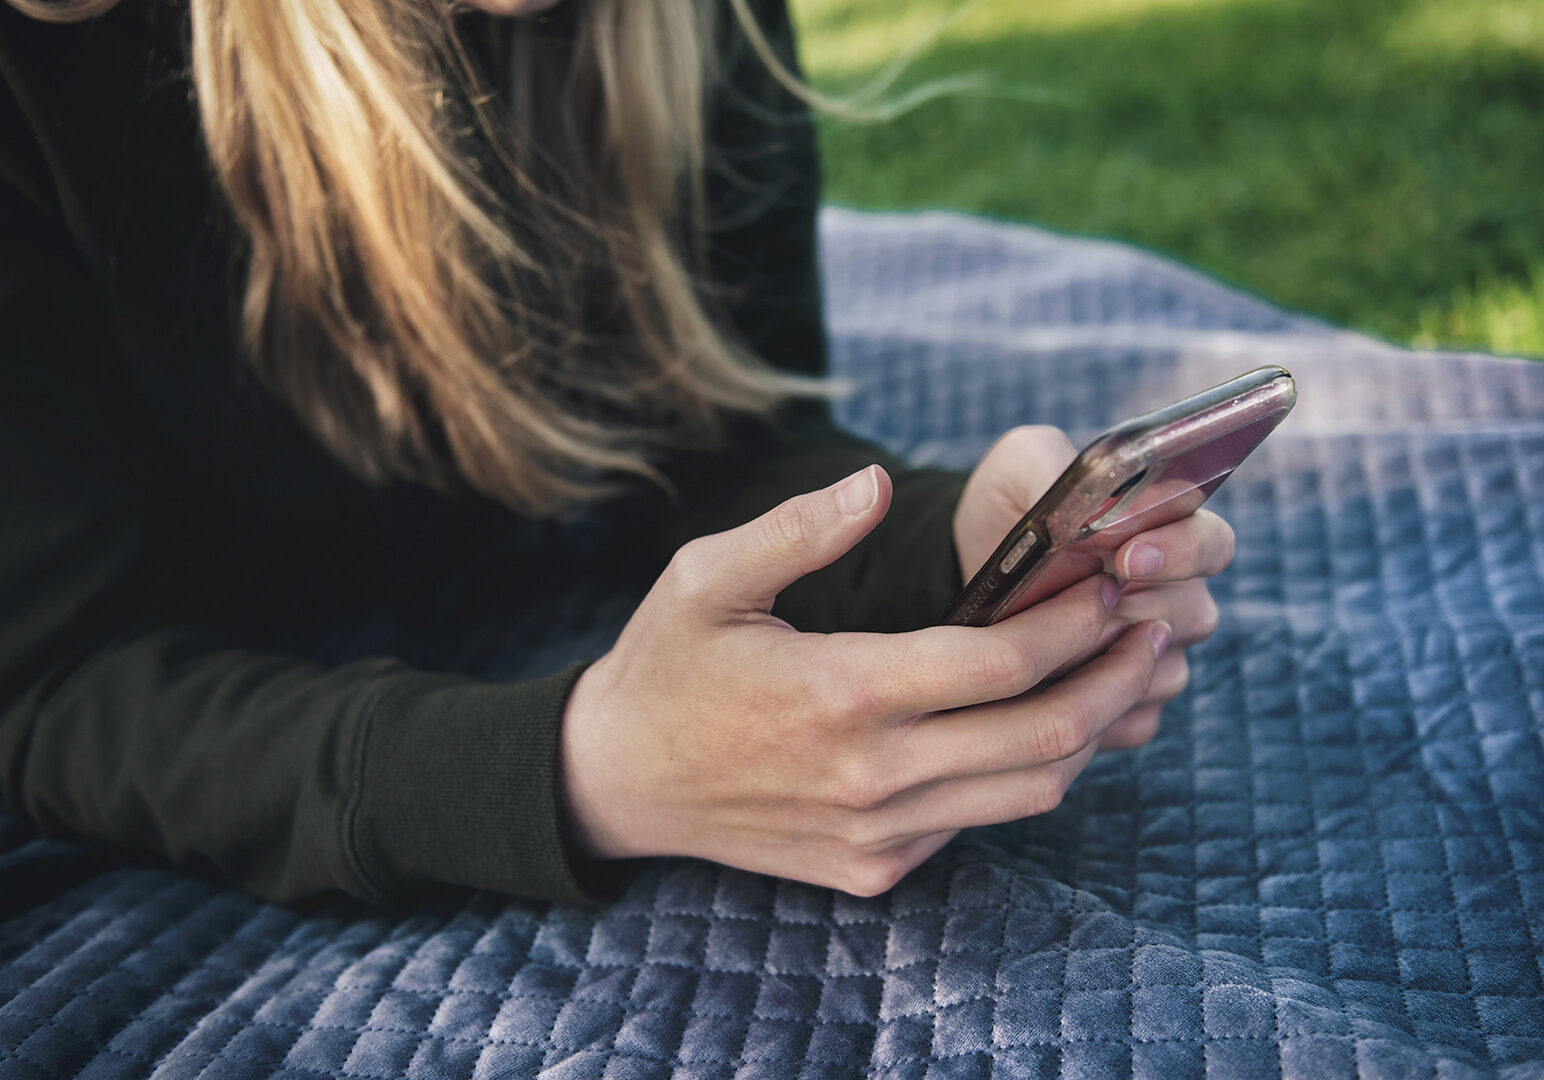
(1143, 560)
(1110, 590)
(1162, 632)
(858, 493)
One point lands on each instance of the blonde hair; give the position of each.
(463, 291)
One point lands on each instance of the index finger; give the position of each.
(950, 667)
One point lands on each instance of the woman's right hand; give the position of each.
(714, 729)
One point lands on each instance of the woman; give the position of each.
(305, 303)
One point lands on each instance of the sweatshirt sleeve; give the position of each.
(122, 722)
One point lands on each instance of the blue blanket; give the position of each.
(1329, 863)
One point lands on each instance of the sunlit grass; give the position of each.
(1439, 27)
(1508, 315)
(1376, 162)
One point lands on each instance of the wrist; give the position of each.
(588, 785)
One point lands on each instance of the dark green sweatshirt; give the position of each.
(154, 501)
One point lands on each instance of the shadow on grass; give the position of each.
(1375, 163)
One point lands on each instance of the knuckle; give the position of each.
(1136, 728)
(858, 703)
(691, 571)
(864, 834)
(1143, 726)
(1005, 666)
(1184, 555)
(1208, 618)
(1144, 729)
(1214, 536)
(1173, 678)
(1086, 621)
(1042, 798)
(1137, 678)
(791, 525)
(873, 875)
(1225, 538)
(858, 786)
(1062, 733)
(1072, 768)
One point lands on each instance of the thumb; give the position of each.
(1026, 461)
(758, 560)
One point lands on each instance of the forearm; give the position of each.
(292, 779)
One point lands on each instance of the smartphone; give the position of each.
(1138, 475)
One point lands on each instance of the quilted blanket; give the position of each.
(1329, 863)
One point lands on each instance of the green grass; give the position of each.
(1379, 163)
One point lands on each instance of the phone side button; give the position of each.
(1017, 552)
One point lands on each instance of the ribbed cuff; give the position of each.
(459, 785)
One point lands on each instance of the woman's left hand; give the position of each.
(1162, 571)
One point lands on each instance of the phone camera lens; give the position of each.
(1115, 502)
(1131, 481)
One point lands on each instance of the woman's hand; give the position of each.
(713, 729)
(1162, 571)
